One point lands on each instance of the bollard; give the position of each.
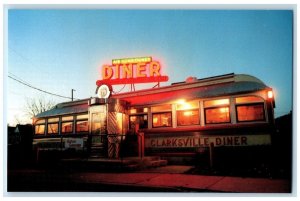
(141, 145)
(37, 154)
(211, 154)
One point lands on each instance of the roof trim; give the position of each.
(222, 79)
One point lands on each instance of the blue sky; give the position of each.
(60, 50)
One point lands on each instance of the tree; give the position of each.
(36, 106)
(17, 119)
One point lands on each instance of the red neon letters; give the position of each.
(132, 70)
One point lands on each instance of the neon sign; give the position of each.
(132, 60)
(131, 71)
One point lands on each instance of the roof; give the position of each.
(73, 107)
(190, 89)
(197, 88)
(193, 93)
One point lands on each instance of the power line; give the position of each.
(16, 77)
(26, 84)
(116, 92)
(22, 57)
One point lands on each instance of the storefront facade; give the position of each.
(180, 120)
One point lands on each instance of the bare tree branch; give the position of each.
(17, 120)
(36, 106)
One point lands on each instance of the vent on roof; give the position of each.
(191, 79)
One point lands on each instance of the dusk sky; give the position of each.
(60, 50)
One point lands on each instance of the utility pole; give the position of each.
(72, 93)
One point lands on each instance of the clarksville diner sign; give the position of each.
(131, 71)
(205, 141)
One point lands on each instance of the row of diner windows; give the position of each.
(67, 125)
(247, 109)
(250, 108)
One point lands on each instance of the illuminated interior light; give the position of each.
(270, 94)
(211, 103)
(222, 102)
(186, 106)
(155, 120)
(183, 105)
(187, 113)
(180, 101)
(120, 122)
(224, 109)
(132, 111)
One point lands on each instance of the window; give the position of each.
(53, 125)
(217, 111)
(162, 116)
(188, 113)
(67, 118)
(40, 129)
(40, 121)
(98, 123)
(67, 127)
(189, 117)
(250, 108)
(82, 126)
(67, 124)
(53, 128)
(187, 105)
(138, 110)
(82, 116)
(141, 120)
(217, 115)
(218, 102)
(161, 108)
(248, 99)
(120, 118)
(250, 112)
(162, 119)
(51, 120)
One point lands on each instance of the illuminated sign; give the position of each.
(194, 141)
(131, 71)
(75, 143)
(103, 91)
(132, 60)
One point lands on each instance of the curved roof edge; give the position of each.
(78, 106)
(215, 80)
(229, 83)
(247, 78)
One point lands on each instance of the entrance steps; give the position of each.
(97, 151)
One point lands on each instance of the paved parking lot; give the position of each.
(163, 179)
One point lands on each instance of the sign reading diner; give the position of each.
(131, 71)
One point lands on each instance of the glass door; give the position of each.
(98, 123)
(98, 131)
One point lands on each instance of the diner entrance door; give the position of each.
(98, 131)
